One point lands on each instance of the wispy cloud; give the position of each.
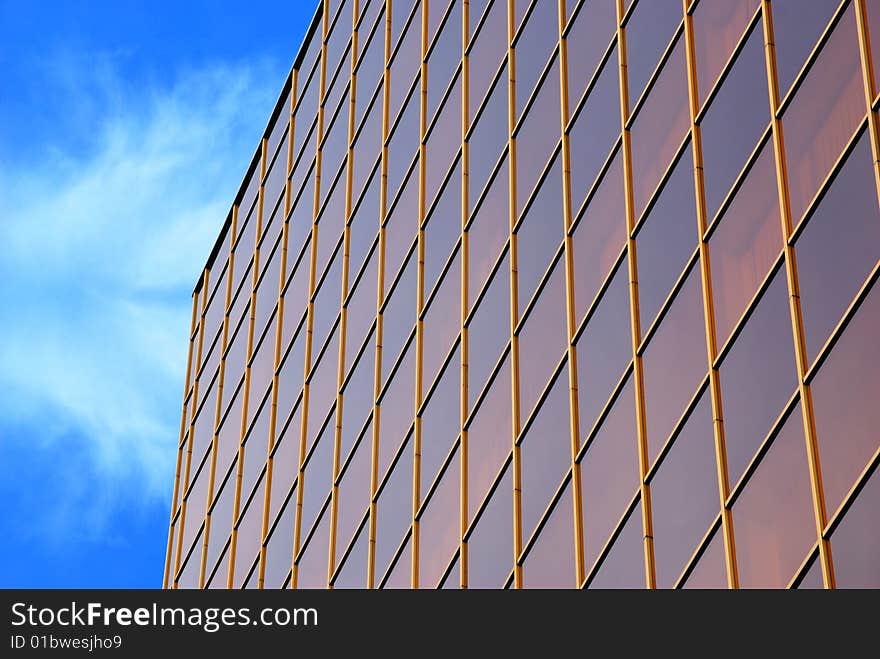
(99, 249)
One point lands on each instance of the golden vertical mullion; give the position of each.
(463, 391)
(236, 506)
(708, 307)
(571, 321)
(218, 409)
(514, 303)
(192, 415)
(632, 267)
(380, 285)
(176, 493)
(343, 315)
(797, 324)
(316, 202)
(279, 325)
(869, 78)
(420, 294)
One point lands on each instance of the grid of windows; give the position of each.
(547, 294)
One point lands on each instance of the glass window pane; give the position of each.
(443, 142)
(439, 526)
(845, 395)
(488, 233)
(599, 236)
(248, 538)
(488, 331)
(535, 138)
(489, 438)
(357, 399)
(397, 409)
(540, 235)
(484, 57)
(490, 545)
(327, 302)
(711, 569)
(684, 495)
(323, 386)
(674, 363)
(317, 478)
(399, 315)
(856, 542)
(758, 376)
(354, 573)
(590, 34)
(595, 130)
(487, 140)
(649, 30)
(312, 572)
(824, 114)
(404, 64)
(666, 105)
(221, 517)
(666, 240)
(812, 580)
(440, 423)
(839, 247)
(718, 27)
(445, 54)
(773, 516)
(290, 376)
(533, 45)
(400, 573)
(403, 144)
(737, 117)
(285, 463)
(361, 308)
(542, 340)
(545, 454)
(443, 229)
(441, 323)
(873, 27)
(624, 566)
(609, 473)
(797, 26)
(745, 244)
(604, 350)
(353, 494)
(364, 225)
(401, 229)
(394, 511)
(279, 546)
(550, 562)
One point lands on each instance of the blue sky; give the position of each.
(125, 129)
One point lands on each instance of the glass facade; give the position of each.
(547, 294)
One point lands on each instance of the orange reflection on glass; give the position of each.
(745, 243)
(439, 526)
(674, 363)
(839, 246)
(490, 545)
(550, 562)
(823, 114)
(855, 543)
(489, 437)
(718, 26)
(773, 516)
(624, 566)
(757, 376)
(599, 236)
(667, 106)
(845, 394)
(711, 569)
(684, 495)
(609, 473)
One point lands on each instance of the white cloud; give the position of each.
(99, 250)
